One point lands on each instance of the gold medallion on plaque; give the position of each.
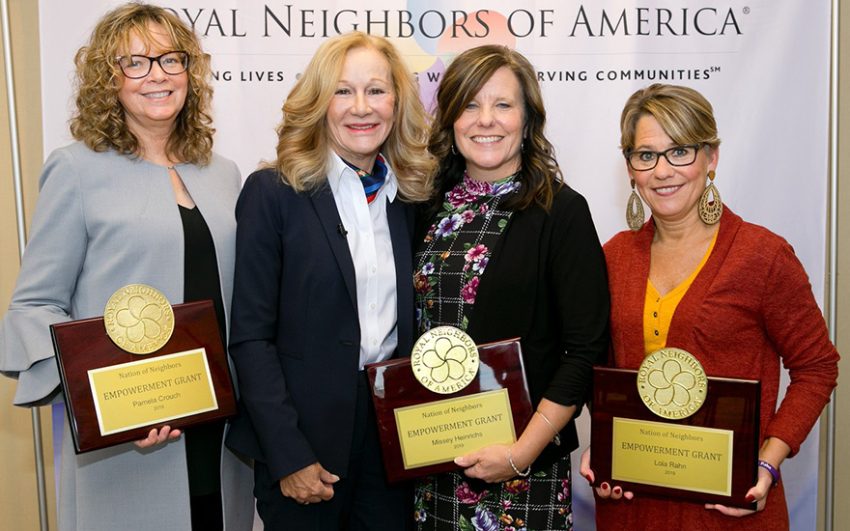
(139, 319)
(444, 359)
(672, 383)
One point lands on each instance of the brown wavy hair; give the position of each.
(303, 144)
(99, 120)
(539, 173)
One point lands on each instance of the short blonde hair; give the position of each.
(303, 142)
(100, 121)
(684, 114)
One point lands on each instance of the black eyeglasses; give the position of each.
(138, 66)
(676, 156)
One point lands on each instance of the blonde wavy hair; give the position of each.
(303, 141)
(99, 120)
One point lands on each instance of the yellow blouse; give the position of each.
(658, 311)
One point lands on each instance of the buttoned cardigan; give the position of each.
(749, 310)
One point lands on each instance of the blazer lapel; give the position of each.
(401, 227)
(323, 202)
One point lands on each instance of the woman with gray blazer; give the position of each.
(139, 198)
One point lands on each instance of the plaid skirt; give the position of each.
(540, 502)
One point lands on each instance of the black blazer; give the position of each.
(295, 335)
(547, 284)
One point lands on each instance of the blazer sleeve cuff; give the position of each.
(292, 454)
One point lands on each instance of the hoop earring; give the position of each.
(710, 205)
(635, 215)
(453, 149)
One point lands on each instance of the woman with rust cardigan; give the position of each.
(733, 294)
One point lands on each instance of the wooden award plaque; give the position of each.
(708, 457)
(113, 396)
(452, 424)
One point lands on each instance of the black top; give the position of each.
(200, 265)
(200, 282)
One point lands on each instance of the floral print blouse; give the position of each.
(455, 251)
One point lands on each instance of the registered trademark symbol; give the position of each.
(746, 10)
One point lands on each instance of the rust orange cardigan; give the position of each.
(749, 309)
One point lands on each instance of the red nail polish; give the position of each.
(604, 485)
(750, 498)
(617, 490)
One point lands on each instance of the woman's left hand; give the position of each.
(756, 494)
(490, 464)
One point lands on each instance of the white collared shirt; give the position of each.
(368, 236)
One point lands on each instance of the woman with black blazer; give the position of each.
(509, 251)
(322, 287)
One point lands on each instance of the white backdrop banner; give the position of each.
(763, 65)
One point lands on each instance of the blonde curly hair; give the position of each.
(99, 120)
(303, 143)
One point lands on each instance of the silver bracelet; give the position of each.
(557, 438)
(518, 473)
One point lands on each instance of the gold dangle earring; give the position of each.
(710, 205)
(634, 211)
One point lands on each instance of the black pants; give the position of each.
(203, 460)
(362, 499)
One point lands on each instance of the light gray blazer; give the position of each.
(104, 220)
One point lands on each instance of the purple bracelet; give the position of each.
(774, 472)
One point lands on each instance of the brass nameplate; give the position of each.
(152, 391)
(437, 432)
(672, 455)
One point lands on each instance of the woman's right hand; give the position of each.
(311, 484)
(604, 490)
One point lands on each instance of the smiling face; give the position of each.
(489, 131)
(361, 113)
(152, 103)
(672, 192)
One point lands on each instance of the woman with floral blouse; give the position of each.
(508, 250)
